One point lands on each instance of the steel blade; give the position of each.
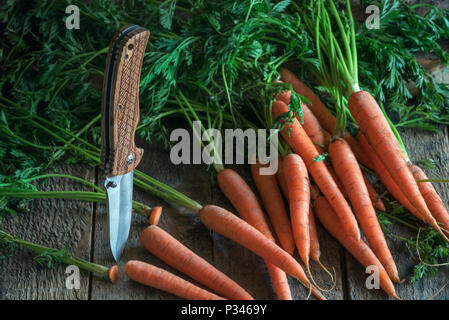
(120, 195)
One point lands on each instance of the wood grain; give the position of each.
(54, 223)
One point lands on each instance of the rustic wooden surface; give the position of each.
(82, 227)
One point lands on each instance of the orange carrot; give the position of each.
(298, 140)
(299, 199)
(274, 204)
(387, 179)
(247, 205)
(152, 276)
(358, 249)
(113, 273)
(347, 168)
(433, 200)
(280, 177)
(234, 228)
(376, 129)
(176, 255)
(324, 116)
(393, 187)
(280, 282)
(155, 215)
(315, 251)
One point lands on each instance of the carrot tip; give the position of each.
(113, 273)
(155, 215)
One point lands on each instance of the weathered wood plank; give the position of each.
(420, 145)
(192, 180)
(54, 223)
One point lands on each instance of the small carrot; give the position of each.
(152, 276)
(244, 200)
(234, 228)
(113, 273)
(324, 116)
(175, 254)
(358, 249)
(155, 215)
(433, 200)
(273, 203)
(299, 199)
(348, 170)
(298, 140)
(315, 252)
(375, 127)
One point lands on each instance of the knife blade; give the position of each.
(120, 116)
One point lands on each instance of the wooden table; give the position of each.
(82, 227)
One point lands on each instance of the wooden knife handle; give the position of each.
(120, 105)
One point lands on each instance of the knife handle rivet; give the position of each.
(130, 46)
(130, 159)
(111, 184)
(119, 106)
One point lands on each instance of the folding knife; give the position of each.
(120, 116)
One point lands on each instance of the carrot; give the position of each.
(176, 255)
(375, 199)
(433, 200)
(311, 124)
(244, 200)
(280, 282)
(152, 276)
(155, 215)
(234, 228)
(393, 187)
(324, 116)
(358, 249)
(298, 140)
(280, 177)
(387, 179)
(347, 168)
(272, 200)
(299, 199)
(113, 273)
(315, 252)
(376, 129)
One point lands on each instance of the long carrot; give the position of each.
(299, 199)
(273, 203)
(393, 187)
(175, 254)
(324, 116)
(347, 168)
(234, 228)
(163, 280)
(298, 140)
(315, 251)
(245, 201)
(433, 200)
(358, 249)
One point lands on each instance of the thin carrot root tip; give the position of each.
(113, 273)
(333, 277)
(155, 215)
